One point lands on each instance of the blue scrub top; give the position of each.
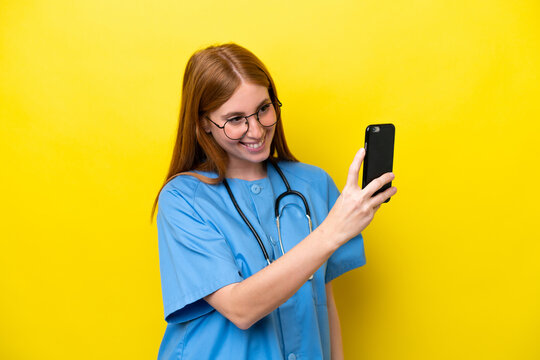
(205, 245)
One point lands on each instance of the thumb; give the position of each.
(354, 168)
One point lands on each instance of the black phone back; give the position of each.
(379, 158)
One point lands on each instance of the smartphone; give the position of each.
(379, 158)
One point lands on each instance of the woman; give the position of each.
(237, 284)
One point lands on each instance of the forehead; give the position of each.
(245, 98)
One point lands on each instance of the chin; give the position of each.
(260, 157)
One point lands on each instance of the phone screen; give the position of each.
(379, 158)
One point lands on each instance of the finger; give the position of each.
(378, 183)
(380, 198)
(354, 169)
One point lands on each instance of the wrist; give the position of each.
(328, 237)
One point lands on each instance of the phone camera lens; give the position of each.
(376, 129)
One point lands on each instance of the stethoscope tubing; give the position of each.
(246, 221)
(288, 192)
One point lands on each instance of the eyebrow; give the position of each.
(241, 113)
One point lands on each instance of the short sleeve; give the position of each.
(350, 255)
(195, 259)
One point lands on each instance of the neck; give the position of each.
(255, 172)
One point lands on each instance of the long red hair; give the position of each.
(211, 77)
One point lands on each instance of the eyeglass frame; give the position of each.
(278, 115)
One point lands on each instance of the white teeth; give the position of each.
(255, 146)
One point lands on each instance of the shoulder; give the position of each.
(179, 192)
(303, 172)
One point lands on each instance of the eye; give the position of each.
(235, 120)
(264, 108)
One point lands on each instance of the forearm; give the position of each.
(336, 344)
(248, 301)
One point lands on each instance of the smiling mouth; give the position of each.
(254, 146)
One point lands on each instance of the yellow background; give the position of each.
(89, 97)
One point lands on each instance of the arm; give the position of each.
(246, 302)
(336, 345)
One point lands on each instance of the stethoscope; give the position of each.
(289, 191)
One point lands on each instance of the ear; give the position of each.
(205, 124)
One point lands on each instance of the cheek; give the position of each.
(218, 135)
(272, 133)
(223, 140)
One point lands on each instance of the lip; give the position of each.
(257, 150)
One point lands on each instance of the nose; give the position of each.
(255, 130)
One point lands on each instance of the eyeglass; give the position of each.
(235, 128)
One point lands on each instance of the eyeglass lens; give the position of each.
(236, 127)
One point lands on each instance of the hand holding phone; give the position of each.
(355, 207)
